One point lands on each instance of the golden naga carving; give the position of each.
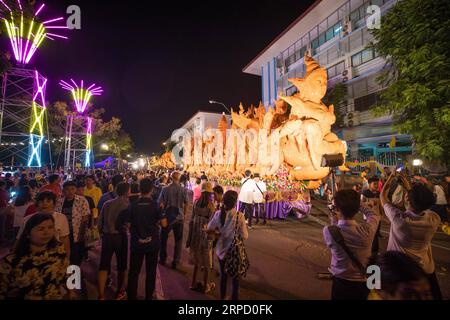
(299, 124)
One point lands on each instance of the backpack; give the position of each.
(236, 259)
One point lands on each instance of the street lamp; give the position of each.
(221, 103)
(104, 146)
(417, 162)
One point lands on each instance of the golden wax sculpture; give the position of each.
(301, 124)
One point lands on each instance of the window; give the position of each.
(364, 103)
(321, 39)
(330, 34)
(336, 70)
(363, 56)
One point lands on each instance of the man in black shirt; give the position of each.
(145, 219)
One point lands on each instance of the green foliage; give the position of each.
(414, 39)
(105, 132)
(337, 96)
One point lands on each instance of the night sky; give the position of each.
(161, 61)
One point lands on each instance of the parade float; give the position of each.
(286, 144)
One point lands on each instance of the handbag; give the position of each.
(236, 259)
(91, 236)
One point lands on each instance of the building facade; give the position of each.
(335, 33)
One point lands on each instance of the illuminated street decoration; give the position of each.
(87, 162)
(79, 130)
(26, 34)
(37, 122)
(80, 94)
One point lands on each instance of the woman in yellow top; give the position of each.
(37, 267)
(95, 193)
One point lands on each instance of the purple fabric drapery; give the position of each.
(281, 209)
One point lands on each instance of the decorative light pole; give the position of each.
(79, 128)
(23, 89)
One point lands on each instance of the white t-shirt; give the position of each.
(19, 214)
(440, 195)
(258, 196)
(248, 187)
(61, 226)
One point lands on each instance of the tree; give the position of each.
(337, 96)
(414, 40)
(105, 132)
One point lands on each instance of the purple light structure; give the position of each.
(27, 34)
(81, 95)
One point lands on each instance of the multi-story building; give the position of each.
(203, 120)
(335, 33)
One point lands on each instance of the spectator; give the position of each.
(4, 200)
(174, 202)
(223, 225)
(111, 194)
(134, 188)
(114, 241)
(145, 220)
(76, 209)
(246, 197)
(34, 186)
(197, 189)
(37, 267)
(412, 230)
(95, 193)
(200, 246)
(45, 203)
(218, 196)
(402, 278)
(259, 199)
(23, 201)
(350, 243)
(371, 196)
(54, 185)
(441, 201)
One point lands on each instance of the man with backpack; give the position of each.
(350, 243)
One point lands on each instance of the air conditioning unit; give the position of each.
(347, 74)
(352, 119)
(346, 28)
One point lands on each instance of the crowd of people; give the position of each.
(55, 219)
(415, 209)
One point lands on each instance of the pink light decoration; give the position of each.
(27, 34)
(40, 89)
(80, 94)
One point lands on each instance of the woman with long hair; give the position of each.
(37, 267)
(224, 225)
(23, 201)
(200, 246)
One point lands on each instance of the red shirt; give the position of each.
(55, 188)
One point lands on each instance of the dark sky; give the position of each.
(161, 61)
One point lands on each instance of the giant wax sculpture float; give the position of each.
(298, 136)
(285, 144)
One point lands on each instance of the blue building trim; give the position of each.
(275, 78)
(268, 74)
(262, 84)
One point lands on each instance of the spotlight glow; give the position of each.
(80, 94)
(27, 34)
